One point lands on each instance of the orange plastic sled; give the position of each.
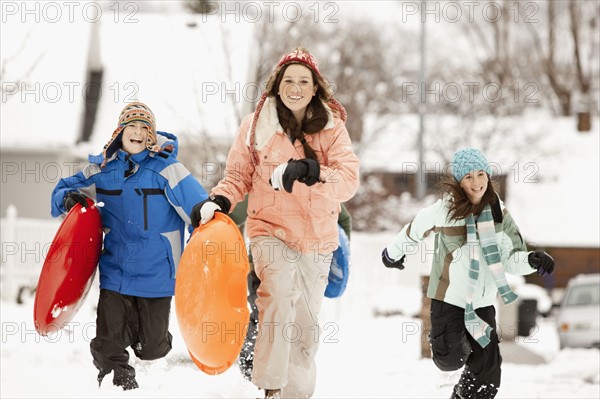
(210, 294)
(68, 269)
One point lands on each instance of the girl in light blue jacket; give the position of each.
(476, 242)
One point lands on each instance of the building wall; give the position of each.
(28, 178)
(569, 263)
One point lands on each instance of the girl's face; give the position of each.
(474, 184)
(297, 89)
(134, 137)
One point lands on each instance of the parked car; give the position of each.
(578, 319)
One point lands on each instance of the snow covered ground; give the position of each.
(360, 356)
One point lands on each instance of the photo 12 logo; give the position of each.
(55, 92)
(471, 92)
(258, 11)
(69, 11)
(470, 11)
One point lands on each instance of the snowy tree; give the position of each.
(545, 50)
(15, 69)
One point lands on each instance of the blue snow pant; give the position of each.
(453, 347)
(123, 321)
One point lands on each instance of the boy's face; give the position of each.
(134, 137)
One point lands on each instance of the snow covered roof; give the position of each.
(183, 66)
(562, 207)
(183, 76)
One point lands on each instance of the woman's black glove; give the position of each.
(307, 171)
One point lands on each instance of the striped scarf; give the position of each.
(478, 328)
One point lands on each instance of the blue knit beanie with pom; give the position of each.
(468, 160)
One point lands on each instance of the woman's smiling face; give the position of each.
(297, 89)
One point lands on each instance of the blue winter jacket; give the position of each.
(148, 198)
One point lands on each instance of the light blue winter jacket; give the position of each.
(148, 198)
(449, 277)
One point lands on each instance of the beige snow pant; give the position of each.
(289, 299)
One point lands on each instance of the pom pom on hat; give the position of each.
(135, 111)
(302, 56)
(468, 160)
(299, 56)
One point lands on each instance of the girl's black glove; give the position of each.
(542, 262)
(391, 263)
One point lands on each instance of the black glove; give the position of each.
(542, 262)
(306, 171)
(219, 200)
(73, 198)
(391, 263)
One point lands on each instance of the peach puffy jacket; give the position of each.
(306, 219)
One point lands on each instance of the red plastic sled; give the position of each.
(210, 294)
(69, 269)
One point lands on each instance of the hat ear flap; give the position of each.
(114, 144)
(151, 139)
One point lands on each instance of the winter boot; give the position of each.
(101, 376)
(468, 387)
(125, 378)
(272, 393)
(455, 395)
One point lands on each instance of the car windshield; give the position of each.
(582, 295)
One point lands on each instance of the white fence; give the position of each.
(24, 246)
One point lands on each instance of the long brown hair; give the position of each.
(316, 116)
(460, 205)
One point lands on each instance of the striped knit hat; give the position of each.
(468, 160)
(299, 56)
(135, 111)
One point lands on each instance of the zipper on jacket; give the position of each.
(146, 192)
(128, 167)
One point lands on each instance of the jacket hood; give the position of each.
(265, 121)
(164, 140)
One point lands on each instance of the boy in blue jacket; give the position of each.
(148, 197)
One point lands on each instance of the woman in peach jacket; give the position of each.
(294, 158)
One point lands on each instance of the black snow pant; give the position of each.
(453, 347)
(123, 321)
(246, 358)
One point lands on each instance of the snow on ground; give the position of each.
(360, 355)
